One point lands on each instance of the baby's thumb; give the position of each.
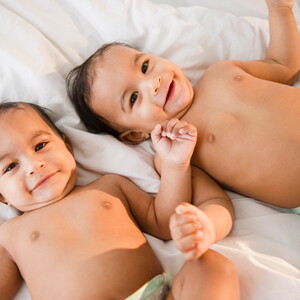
(156, 134)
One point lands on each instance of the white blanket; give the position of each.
(41, 40)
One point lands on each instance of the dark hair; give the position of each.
(78, 84)
(42, 111)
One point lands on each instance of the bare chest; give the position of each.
(247, 129)
(83, 226)
(76, 250)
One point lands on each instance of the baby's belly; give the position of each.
(112, 275)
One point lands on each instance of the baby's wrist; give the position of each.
(277, 6)
(175, 166)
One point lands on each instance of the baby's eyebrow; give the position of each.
(137, 56)
(2, 157)
(39, 133)
(34, 135)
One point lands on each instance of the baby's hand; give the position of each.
(174, 141)
(191, 230)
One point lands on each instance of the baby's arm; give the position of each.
(10, 279)
(174, 149)
(174, 142)
(282, 62)
(213, 206)
(194, 228)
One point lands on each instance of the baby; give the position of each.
(246, 114)
(82, 242)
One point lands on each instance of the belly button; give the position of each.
(210, 138)
(35, 235)
(106, 204)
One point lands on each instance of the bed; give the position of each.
(41, 40)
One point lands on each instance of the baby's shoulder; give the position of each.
(109, 183)
(222, 65)
(218, 72)
(109, 179)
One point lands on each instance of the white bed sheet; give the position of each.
(41, 40)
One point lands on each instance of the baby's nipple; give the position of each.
(106, 204)
(35, 235)
(238, 78)
(211, 138)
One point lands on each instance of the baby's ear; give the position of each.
(133, 137)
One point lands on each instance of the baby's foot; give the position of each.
(191, 230)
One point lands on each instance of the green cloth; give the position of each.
(156, 289)
(296, 210)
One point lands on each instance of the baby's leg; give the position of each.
(210, 277)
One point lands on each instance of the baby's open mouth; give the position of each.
(170, 91)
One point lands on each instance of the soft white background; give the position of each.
(41, 40)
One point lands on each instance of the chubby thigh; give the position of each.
(83, 247)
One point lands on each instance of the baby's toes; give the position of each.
(182, 230)
(192, 254)
(189, 242)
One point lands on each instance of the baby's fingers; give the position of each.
(177, 128)
(187, 129)
(167, 128)
(156, 134)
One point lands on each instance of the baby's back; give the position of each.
(85, 246)
(249, 137)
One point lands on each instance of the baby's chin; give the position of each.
(35, 206)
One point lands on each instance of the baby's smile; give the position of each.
(170, 92)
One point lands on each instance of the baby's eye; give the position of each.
(133, 98)
(40, 146)
(145, 66)
(10, 167)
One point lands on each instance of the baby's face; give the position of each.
(36, 167)
(136, 91)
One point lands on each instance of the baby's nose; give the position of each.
(157, 83)
(35, 167)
